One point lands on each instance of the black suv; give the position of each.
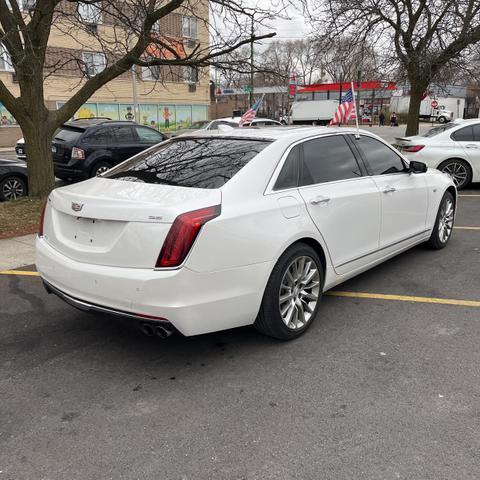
(85, 148)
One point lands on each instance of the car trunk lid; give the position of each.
(116, 223)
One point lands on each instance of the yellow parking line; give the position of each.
(466, 228)
(405, 298)
(19, 272)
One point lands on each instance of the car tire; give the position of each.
(443, 228)
(99, 168)
(442, 119)
(12, 187)
(289, 305)
(459, 170)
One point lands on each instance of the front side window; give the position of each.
(476, 132)
(5, 60)
(93, 63)
(189, 27)
(90, 13)
(381, 159)
(147, 135)
(328, 159)
(190, 162)
(464, 135)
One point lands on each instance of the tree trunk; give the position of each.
(416, 93)
(38, 145)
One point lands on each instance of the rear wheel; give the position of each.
(12, 187)
(443, 228)
(459, 170)
(292, 296)
(99, 168)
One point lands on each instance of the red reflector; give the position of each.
(182, 234)
(413, 148)
(42, 219)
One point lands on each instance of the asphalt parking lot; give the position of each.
(383, 387)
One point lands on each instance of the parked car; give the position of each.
(20, 149)
(13, 179)
(215, 231)
(453, 148)
(85, 148)
(213, 125)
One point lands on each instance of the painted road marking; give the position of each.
(405, 298)
(335, 293)
(466, 228)
(472, 195)
(19, 272)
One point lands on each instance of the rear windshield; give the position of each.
(437, 130)
(190, 162)
(68, 134)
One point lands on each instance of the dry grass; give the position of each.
(19, 217)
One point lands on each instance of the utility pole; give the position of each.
(136, 111)
(251, 60)
(359, 86)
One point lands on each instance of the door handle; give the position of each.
(389, 189)
(319, 200)
(471, 145)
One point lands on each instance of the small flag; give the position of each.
(346, 109)
(250, 114)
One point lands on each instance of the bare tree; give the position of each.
(132, 38)
(425, 35)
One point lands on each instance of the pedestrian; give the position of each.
(381, 119)
(393, 120)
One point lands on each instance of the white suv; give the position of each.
(453, 148)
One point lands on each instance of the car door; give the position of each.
(343, 202)
(469, 139)
(126, 142)
(404, 195)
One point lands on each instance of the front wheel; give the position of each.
(442, 231)
(442, 119)
(292, 296)
(12, 187)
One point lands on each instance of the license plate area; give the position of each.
(84, 231)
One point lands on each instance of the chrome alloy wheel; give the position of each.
(445, 224)
(101, 170)
(457, 171)
(299, 292)
(13, 189)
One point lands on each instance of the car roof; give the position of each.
(291, 133)
(85, 123)
(237, 119)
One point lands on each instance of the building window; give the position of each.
(5, 60)
(156, 27)
(90, 13)
(151, 73)
(190, 74)
(189, 27)
(26, 5)
(93, 63)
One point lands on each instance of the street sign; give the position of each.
(434, 104)
(247, 88)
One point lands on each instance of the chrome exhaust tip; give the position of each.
(162, 332)
(147, 329)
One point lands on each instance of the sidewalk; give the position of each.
(17, 252)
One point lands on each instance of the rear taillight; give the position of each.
(413, 148)
(78, 154)
(42, 219)
(182, 234)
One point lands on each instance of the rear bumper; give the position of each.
(193, 302)
(62, 170)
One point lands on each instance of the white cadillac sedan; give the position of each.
(216, 231)
(453, 148)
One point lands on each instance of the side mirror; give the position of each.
(417, 167)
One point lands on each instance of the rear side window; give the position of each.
(190, 162)
(124, 134)
(463, 135)
(68, 135)
(381, 159)
(328, 159)
(288, 177)
(101, 136)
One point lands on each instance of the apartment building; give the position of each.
(167, 97)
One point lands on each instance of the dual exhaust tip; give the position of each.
(155, 330)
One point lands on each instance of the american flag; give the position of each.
(346, 109)
(250, 114)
